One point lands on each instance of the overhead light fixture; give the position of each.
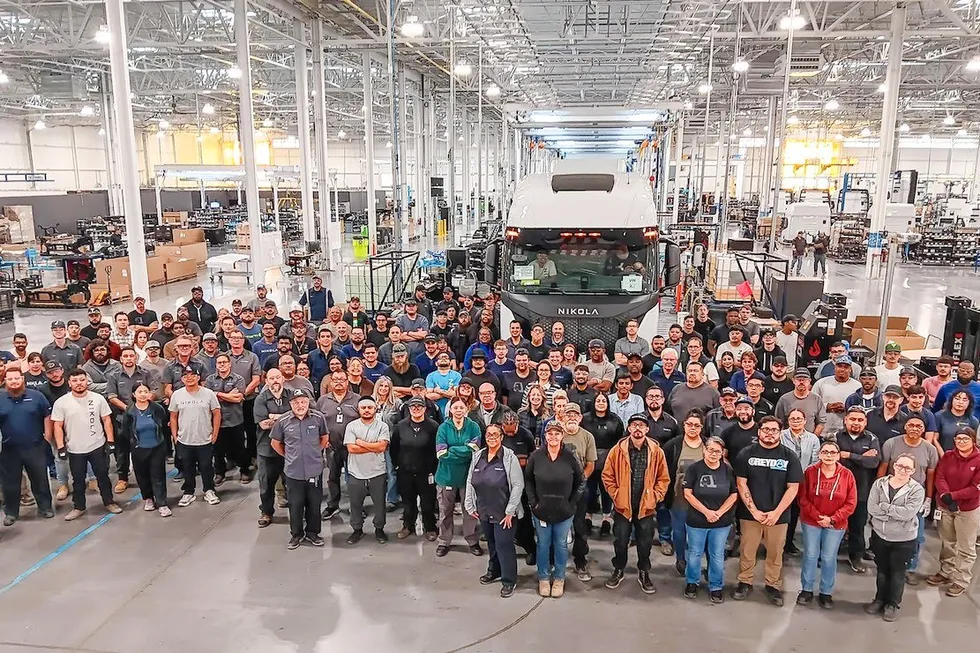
(904, 128)
(704, 88)
(747, 131)
(102, 131)
(882, 88)
(161, 134)
(792, 120)
(794, 21)
(3, 78)
(961, 133)
(208, 109)
(973, 64)
(234, 72)
(200, 139)
(831, 105)
(164, 123)
(103, 35)
(388, 145)
(839, 137)
(949, 120)
(412, 28)
(341, 134)
(865, 132)
(86, 111)
(463, 69)
(268, 122)
(215, 130)
(740, 66)
(688, 105)
(40, 124)
(492, 91)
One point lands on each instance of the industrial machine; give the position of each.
(821, 324)
(79, 273)
(961, 333)
(811, 217)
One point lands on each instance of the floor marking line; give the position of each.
(501, 631)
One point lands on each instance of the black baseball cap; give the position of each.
(418, 383)
(478, 353)
(53, 365)
(58, 324)
(744, 401)
(728, 392)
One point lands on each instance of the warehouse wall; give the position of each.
(73, 157)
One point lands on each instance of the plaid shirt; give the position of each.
(123, 339)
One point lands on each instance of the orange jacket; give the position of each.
(617, 478)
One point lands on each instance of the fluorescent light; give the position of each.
(388, 145)
(949, 120)
(704, 88)
(341, 134)
(747, 131)
(86, 111)
(412, 28)
(215, 130)
(492, 91)
(268, 122)
(40, 124)
(208, 109)
(3, 78)
(234, 72)
(103, 36)
(740, 66)
(463, 69)
(904, 127)
(831, 105)
(164, 123)
(973, 64)
(792, 120)
(882, 88)
(865, 132)
(794, 21)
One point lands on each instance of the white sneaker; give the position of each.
(165, 511)
(186, 500)
(212, 498)
(149, 505)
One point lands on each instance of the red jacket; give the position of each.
(835, 497)
(960, 476)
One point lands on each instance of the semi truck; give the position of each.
(582, 245)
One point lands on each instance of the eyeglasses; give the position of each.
(904, 468)
(963, 438)
(773, 429)
(713, 452)
(829, 452)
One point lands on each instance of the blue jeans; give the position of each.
(392, 496)
(552, 538)
(678, 526)
(712, 541)
(823, 544)
(920, 539)
(664, 531)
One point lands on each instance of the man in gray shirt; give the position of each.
(246, 364)
(694, 393)
(366, 440)
(300, 437)
(230, 390)
(631, 344)
(100, 367)
(271, 405)
(339, 407)
(805, 400)
(414, 327)
(834, 390)
(61, 349)
(195, 416)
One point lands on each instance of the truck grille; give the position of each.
(580, 330)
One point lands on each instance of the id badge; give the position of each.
(340, 418)
(543, 523)
(432, 479)
(937, 515)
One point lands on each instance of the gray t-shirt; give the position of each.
(811, 406)
(232, 414)
(366, 465)
(925, 455)
(830, 391)
(82, 417)
(193, 415)
(640, 347)
(683, 398)
(246, 365)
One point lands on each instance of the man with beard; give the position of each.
(744, 432)
(164, 334)
(257, 303)
(441, 384)
(441, 325)
(801, 397)
(25, 424)
(373, 368)
(413, 455)
(778, 382)
(191, 328)
(580, 392)
(860, 452)
(339, 407)
(74, 336)
(271, 314)
(379, 333)
(20, 349)
(142, 318)
(297, 319)
(661, 425)
(602, 373)
(267, 346)
(90, 330)
(100, 367)
(558, 335)
(318, 299)
(229, 388)
(355, 348)
(319, 357)
(888, 421)
(401, 372)
(483, 344)
(355, 315)
(478, 373)
(582, 444)
(868, 396)
(693, 393)
(208, 356)
(119, 392)
(426, 361)
(414, 327)
(302, 343)
(105, 335)
(291, 380)
(447, 300)
(156, 367)
(251, 329)
(270, 406)
(55, 387)
(944, 370)
(201, 312)
(719, 419)
(652, 358)
(284, 346)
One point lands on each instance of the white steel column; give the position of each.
(320, 131)
(400, 147)
(303, 126)
(780, 153)
(480, 151)
(246, 136)
(450, 183)
(421, 212)
(467, 170)
(663, 156)
(886, 136)
(518, 156)
(678, 160)
(372, 202)
(111, 155)
(431, 216)
(126, 137)
(768, 197)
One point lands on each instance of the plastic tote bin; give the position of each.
(360, 248)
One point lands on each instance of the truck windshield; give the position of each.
(580, 262)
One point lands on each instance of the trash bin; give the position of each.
(360, 248)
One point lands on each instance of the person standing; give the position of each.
(958, 489)
(834, 390)
(711, 492)
(413, 454)
(679, 453)
(803, 398)
(366, 440)
(820, 245)
(143, 423)
(271, 405)
(60, 349)
(582, 444)
(316, 300)
(894, 502)
(494, 487)
(860, 453)
(636, 478)
(554, 483)
(694, 394)
(246, 364)
(229, 388)
(806, 446)
(827, 498)
(84, 437)
(799, 252)
(195, 420)
(339, 406)
(300, 438)
(201, 312)
(25, 425)
(768, 476)
(456, 441)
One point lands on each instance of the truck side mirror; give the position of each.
(492, 263)
(672, 264)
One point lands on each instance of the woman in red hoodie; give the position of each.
(958, 489)
(827, 498)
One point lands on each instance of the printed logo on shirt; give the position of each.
(777, 464)
(707, 481)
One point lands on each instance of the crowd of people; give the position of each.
(708, 441)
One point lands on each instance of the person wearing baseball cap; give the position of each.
(869, 396)
(888, 421)
(635, 476)
(257, 303)
(834, 390)
(860, 453)
(200, 312)
(91, 330)
(744, 432)
(413, 454)
(788, 339)
(778, 383)
(802, 397)
(316, 300)
(300, 437)
(414, 326)
(75, 336)
(141, 318)
(61, 349)
(891, 368)
(718, 420)
(195, 416)
(768, 350)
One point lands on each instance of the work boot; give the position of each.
(557, 589)
(615, 579)
(645, 583)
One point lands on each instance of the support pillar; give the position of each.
(372, 202)
(768, 196)
(400, 147)
(889, 114)
(467, 172)
(329, 246)
(126, 137)
(246, 136)
(303, 127)
(678, 161)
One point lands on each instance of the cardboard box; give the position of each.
(864, 331)
(178, 269)
(188, 236)
(174, 217)
(197, 252)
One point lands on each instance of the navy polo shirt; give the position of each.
(22, 418)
